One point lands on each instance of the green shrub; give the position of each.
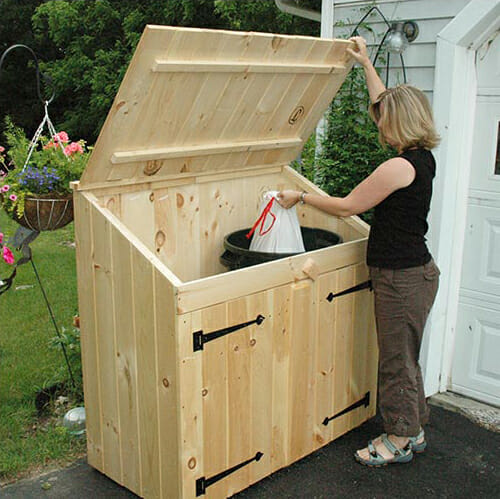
(350, 147)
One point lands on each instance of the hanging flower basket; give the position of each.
(38, 196)
(46, 212)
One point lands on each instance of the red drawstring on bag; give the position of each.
(261, 220)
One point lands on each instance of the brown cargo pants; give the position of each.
(403, 299)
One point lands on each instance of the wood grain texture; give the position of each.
(126, 360)
(167, 386)
(86, 307)
(302, 370)
(205, 122)
(146, 345)
(106, 343)
(188, 91)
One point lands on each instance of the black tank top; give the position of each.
(397, 235)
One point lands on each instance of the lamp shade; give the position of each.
(396, 41)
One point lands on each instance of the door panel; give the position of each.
(481, 271)
(269, 386)
(476, 370)
(475, 367)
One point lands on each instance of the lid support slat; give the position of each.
(161, 66)
(202, 150)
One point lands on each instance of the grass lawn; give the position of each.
(28, 363)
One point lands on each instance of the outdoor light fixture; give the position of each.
(395, 39)
(399, 35)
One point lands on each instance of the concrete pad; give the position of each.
(484, 415)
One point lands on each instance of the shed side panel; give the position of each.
(126, 359)
(86, 307)
(129, 357)
(147, 382)
(167, 385)
(106, 343)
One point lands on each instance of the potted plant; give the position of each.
(36, 193)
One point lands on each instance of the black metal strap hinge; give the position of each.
(199, 339)
(364, 401)
(358, 287)
(202, 483)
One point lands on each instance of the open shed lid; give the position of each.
(198, 101)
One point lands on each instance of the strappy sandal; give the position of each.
(375, 460)
(418, 447)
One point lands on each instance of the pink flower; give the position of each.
(61, 137)
(1, 237)
(13, 197)
(7, 255)
(5, 188)
(2, 149)
(72, 148)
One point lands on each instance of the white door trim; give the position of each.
(454, 106)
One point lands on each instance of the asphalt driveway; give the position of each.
(462, 461)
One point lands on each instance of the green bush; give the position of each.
(350, 147)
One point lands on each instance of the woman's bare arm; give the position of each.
(373, 81)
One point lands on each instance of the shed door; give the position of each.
(476, 364)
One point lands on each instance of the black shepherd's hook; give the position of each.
(46, 79)
(381, 44)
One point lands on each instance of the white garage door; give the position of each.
(476, 361)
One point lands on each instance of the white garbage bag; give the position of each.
(277, 230)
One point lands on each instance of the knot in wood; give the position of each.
(152, 167)
(179, 200)
(160, 239)
(110, 204)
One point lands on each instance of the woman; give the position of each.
(404, 276)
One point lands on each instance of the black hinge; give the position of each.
(199, 339)
(358, 287)
(202, 483)
(364, 401)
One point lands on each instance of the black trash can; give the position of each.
(237, 255)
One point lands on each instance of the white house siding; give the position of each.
(420, 56)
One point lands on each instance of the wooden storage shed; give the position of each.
(198, 380)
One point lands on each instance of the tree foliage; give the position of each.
(18, 94)
(86, 45)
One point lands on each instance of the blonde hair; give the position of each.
(404, 118)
